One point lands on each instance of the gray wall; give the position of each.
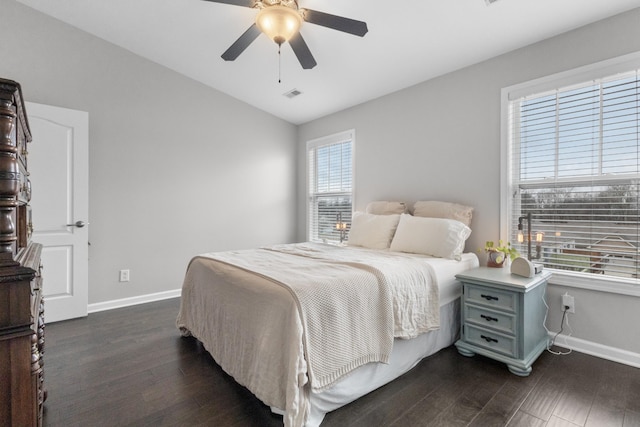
(176, 168)
(440, 140)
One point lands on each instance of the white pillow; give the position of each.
(372, 231)
(386, 208)
(436, 209)
(438, 237)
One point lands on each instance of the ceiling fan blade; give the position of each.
(242, 43)
(340, 23)
(245, 3)
(302, 51)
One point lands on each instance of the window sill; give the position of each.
(612, 286)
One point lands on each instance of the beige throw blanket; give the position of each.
(412, 281)
(349, 310)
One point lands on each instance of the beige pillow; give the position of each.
(386, 208)
(435, 209)
(372, 231)
(438, 237)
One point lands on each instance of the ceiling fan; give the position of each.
(280, 20)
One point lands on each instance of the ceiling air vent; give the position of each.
(292, 93)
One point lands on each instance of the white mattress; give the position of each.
(446, 270)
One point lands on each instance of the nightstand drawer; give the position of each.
(489, 297)
(491, 340)
(505, 323)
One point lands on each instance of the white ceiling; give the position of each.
(409, 41)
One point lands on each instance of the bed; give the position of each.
(310, 327)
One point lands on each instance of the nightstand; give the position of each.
(502, 317)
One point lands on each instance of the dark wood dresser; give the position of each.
(21, 305)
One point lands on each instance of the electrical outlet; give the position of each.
(568, 301)
(124, 275)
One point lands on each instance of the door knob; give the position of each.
(78, 224)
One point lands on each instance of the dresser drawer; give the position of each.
(491, 340)
(489, 297)
(503, 322)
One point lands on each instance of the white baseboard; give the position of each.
(126, 302)
(598, 350)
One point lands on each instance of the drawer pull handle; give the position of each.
(489, 297)
(488, 339)
(488, 318)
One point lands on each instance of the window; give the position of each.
(573, 162)
(330, 185)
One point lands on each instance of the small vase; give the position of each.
(496, 259)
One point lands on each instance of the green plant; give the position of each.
(503, 247)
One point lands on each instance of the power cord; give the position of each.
(553, 341)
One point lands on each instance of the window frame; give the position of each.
(599, 70)
(337, 138)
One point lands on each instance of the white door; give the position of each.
(59, 167)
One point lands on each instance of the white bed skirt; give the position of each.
(405, 355)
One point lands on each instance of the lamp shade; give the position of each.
(279, 23)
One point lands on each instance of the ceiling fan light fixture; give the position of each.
(279, 23)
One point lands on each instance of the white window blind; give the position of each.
(330, 185)
(574, 165)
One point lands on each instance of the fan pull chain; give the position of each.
(279, 63)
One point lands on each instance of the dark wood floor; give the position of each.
(130, 367)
